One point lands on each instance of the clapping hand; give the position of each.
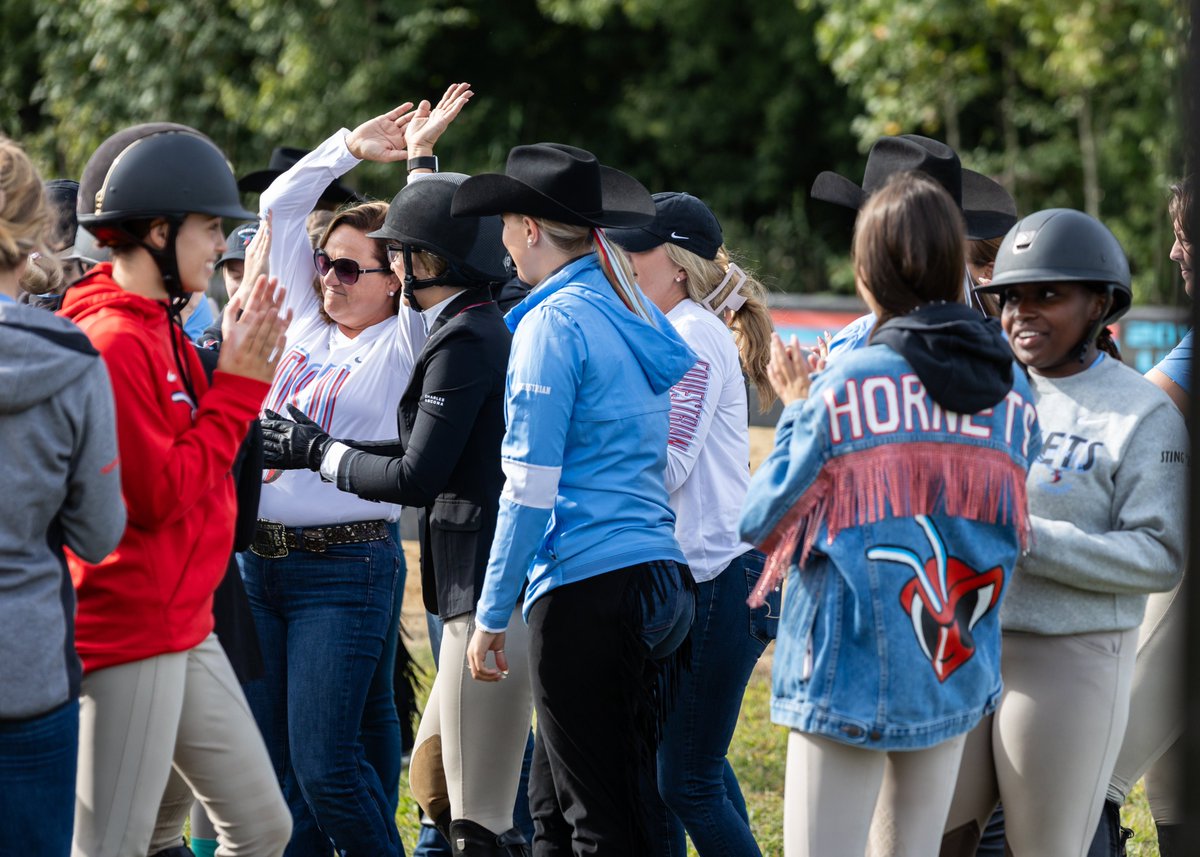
(253, 332)
(258, 252)
(788, 370)
(819, 356)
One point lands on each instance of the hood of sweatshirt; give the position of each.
(962, 358)
(39, 355)
(661, 352)
(99, 291)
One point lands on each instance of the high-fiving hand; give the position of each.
(429, 123)
(382, 138)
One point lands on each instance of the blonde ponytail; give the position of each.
(741, 300)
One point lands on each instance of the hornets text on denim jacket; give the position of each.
(900, 522)
(587, 408)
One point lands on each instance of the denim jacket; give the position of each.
(897, 523)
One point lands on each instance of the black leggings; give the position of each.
(600, 699)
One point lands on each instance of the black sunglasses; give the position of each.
(347, 271)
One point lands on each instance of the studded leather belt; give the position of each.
(273, 540)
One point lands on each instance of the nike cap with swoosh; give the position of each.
(679, 219)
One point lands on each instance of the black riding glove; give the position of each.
(293, 444)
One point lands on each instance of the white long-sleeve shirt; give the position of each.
(350, 387)
(708, 448)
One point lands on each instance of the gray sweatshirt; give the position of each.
(61, 485)
(1107, 498)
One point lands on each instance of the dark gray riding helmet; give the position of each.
(419, 216)
(1061, 245)
(159, 169)
(86, 251)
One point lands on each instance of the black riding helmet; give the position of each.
(158, 169)
(1061, 245)
(419, 218)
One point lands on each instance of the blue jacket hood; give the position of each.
(662, 354)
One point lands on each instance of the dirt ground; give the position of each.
(413, 616)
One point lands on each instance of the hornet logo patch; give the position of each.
(945, 600)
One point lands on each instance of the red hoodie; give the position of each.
(153, 594)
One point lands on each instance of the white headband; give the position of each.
(735, 299)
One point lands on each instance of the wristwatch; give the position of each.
(424, 162)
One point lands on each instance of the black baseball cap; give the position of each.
(237, 242)
(680, 219)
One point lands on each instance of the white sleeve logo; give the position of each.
(526, 387)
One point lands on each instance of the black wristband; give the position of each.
(424, 162)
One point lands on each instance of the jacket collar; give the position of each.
(551, 284)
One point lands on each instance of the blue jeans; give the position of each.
(37, 782)
(323, 621)
(431, 843)
(695, 778)
(381, 722)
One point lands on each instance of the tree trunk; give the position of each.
(1008, 124)
(1087, 151)
(950, 117)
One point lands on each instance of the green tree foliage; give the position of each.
(1069, 103)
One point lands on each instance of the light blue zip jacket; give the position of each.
(897, 523)
(587, 408)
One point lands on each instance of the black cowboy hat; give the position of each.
(560, 183)
(989, 210)
(283, 158)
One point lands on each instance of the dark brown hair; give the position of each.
(365, 217)
(982, 252)
(1180, 206)
(908, 245)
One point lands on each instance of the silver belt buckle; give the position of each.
(270, 540)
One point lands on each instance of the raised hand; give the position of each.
(253, 332)
(429, 123)
(382, 138)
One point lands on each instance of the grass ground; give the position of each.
(759, 747)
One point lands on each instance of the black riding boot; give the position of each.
(1110, 837)
(468, 839)
(179, 850)
(1170, 840)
